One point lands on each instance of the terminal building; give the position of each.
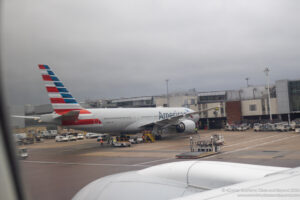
(250, 104)
(134, 102)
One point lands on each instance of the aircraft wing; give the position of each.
(189, 180)
(165, 122)
(174, 120)
(280, 185)
(201, 111)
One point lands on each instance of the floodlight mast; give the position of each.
(247, 79)
(267, 70)
(167, 83)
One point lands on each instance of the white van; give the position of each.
(61, 138)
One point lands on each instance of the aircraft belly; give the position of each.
(115, 126)
(103, 128)
(89, 128)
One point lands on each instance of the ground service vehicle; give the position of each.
(61, 138)
(22, 153)
(71, 137)
(80, 136)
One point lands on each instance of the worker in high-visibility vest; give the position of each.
(101, 141)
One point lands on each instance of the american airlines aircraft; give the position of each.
(68, 113)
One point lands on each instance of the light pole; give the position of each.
(247, 79)
(167, 83)
(267, 70)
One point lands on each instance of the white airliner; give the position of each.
(68, 113)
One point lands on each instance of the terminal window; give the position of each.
(294, 93)
(252, 107)
(212, 98)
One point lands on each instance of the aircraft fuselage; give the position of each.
(116, 120)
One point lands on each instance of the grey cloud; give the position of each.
(117, 48)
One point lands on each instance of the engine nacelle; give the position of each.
(187, 126)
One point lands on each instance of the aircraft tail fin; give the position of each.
(61, 99)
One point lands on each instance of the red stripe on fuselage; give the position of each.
(64, 111)
(81, 122)
(52, 89)
(57, 100)
(47, 78)
(84, 112)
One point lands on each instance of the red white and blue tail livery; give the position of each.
(63, 103)
(61, 99)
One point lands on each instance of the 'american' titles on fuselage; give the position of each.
(169, 115)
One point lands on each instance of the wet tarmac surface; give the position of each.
(59, 170)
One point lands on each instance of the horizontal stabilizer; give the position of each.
(26, 117)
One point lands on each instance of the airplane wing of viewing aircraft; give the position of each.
(189, 180)
(280, 185)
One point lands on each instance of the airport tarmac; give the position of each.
(59, 170)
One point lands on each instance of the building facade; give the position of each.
(288, 99)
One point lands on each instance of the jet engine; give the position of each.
(187, 126)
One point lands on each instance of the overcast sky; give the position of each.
(122, 48)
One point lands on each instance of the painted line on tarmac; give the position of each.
(249, 141)
(87, 164)
(142, 164)
(253, 146)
